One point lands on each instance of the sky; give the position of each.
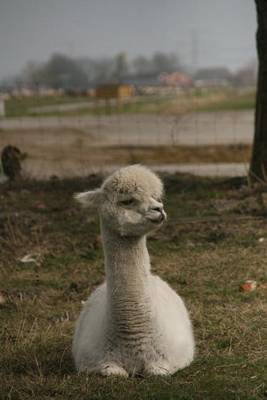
(201, 32)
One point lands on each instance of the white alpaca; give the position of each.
(134, 323)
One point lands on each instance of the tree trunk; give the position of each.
(258, 164)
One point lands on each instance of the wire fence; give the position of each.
(82, 137)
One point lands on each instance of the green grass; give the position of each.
(196, 100)
(208, 247)
(233, 101)
(21, 106)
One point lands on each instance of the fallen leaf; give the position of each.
(248, 286)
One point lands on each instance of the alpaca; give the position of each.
(134, 323)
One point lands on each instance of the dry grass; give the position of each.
(209, 246)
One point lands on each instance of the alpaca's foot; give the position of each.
(111, 368)
(157, 369)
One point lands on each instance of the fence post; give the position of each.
(2, 107)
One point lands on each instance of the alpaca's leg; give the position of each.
(157, 368)
(111, 368)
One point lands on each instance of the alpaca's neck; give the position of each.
(127, 270)
(126, 261)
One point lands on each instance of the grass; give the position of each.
(222, 99)
(212, 100)
(209, 246)
(21, 106)
(231, 101)
(177, 154)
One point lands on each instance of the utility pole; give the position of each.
(194, 49)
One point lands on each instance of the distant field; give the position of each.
(19, 107)
(214, 239)
(231, 101)
(197, 100)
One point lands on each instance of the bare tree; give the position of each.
(59, 72)
(258, 165)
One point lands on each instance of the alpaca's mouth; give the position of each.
(159, 219)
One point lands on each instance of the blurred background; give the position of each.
(89, 86)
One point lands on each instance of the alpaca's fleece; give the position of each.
(134, 323)
(134, 180)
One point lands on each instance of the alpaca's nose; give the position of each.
(159, 209)
(161, 214)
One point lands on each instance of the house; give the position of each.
(176, 79)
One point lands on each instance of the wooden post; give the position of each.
(2, 107)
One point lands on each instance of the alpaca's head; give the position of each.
(129, 201)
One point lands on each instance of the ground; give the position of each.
(214, 240)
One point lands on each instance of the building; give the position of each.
(213, 77)
(176, 79)
(113, 91)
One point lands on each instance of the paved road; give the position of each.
(43, 170)
(129, 129)
(211, 170)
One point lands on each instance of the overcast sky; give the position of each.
(202, 32)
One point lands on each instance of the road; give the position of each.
(211, 170)
(142, 129)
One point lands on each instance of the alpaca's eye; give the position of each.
(127, 202)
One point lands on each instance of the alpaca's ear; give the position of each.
(89, 199)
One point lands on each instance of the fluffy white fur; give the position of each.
(134, 323)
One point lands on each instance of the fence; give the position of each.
(82, 137)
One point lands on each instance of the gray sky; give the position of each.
(205, 32)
